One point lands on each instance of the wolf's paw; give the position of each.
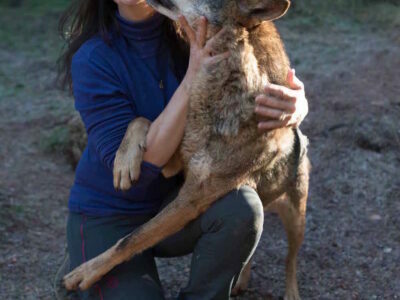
(127, 167)
(292, 295)
(82, 278)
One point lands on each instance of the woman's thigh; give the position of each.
(238, 207)
(90, 236)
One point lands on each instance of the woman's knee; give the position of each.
(240, 211)
(247, 208)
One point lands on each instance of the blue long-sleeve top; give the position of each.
(115, 81)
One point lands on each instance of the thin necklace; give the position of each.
(163, 54)
(161, 73)
(159, 78)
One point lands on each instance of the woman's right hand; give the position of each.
(166, 132)
(202, 52)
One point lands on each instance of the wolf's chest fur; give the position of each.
(221, 120)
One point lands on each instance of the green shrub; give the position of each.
(56, 140)
(36, 6)
(385, 12)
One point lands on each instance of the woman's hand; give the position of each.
(166, 132)
(281, 106)
(202, 53)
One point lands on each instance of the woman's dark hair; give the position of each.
(86, 18)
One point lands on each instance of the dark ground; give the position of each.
(352, 248)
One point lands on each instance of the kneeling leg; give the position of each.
(193, 199)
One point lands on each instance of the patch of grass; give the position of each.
(35, 7)
(382, 14)
(347, 12)
(30, 26)
(55, 140)
(10, 213)
(8, 86)
(68, 139)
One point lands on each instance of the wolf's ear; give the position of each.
(264, 10)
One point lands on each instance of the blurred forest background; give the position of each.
(348, 54)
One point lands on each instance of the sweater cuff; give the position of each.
(149, 172)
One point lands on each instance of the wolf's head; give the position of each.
(247, 13)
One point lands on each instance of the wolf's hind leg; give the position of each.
(293, 219)
(292, 212)
(290, 205)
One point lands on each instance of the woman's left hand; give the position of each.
(282, 106)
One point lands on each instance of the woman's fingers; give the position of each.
(270, 125)
(202, 32)
(293, 81)
(209, 47)
(281, 92)
(272, 102)
(197, 37)
(270, 113)
(217, 58)
(282, 106)
(190, 33)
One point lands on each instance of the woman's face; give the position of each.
(131, 2)
(134, 10)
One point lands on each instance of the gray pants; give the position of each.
(222, 241)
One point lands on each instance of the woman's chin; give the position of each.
(131, 2)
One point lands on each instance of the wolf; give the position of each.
(222, 149)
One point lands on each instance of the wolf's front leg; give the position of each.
(194, 198)
(130, 154)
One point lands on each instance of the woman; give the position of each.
(124, 60)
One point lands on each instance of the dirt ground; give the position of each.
(352, 244)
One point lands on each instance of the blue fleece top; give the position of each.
(113, 83)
